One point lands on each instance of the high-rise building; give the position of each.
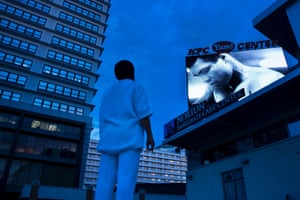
(163, 165)
(49, 57)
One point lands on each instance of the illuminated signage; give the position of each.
(226, 72)
(197, 113)
(227, 46)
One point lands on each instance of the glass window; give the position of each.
(71, 76)
(42, 85)
(55, 71)
(37, 102)
(234, 185)
(27, 63)
(82, 95)
(270, 135)
(24, 172)
(67, 91)
(47, 69)
(71, 109)
(46, 104)
(6, 95)
(19, 13)
(59, 57)
(6, 40)
(22, 80)
(6, 139)
(55, 40)
(55, 106)
(227, 149)
(63, 73)
(63, 108)
(51, 87)
(59, 89)
(21, 28)
(16, 43)
(294, 128)
(85, 80)
(67, 59)
(3, 75)
(74, 93)
(12, 77)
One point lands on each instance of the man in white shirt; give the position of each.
(124, 117)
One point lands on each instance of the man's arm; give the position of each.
(147, 126)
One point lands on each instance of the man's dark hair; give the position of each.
(124, 69)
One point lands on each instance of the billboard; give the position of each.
(213, 77)
(224, 73)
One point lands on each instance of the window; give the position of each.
(22, 14)
(17, 61)
(6, 139)
(72, 46)
(9, 95)
(13, 78)
(82, 11)
(35, 5)
(79, 22)
(69, 60)
(294, 128)
(270, 135)
(92, 4)
(234, 186)
(227, 149)
(50, 87)
(58, 106)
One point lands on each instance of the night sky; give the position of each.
(156, 36)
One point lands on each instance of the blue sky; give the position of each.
(156, 36)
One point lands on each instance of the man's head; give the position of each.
(124, 69)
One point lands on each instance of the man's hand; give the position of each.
(150, 143)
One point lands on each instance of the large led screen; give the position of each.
(213, 77)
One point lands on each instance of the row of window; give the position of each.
(82, 11)
(39, 146)
(13, 78)
(9, 119)
(38, 125)
(22, 14)
(69, 60)
(245, 143)
(20, 28)
(46, 147)
(13, 96)
(72, 46)
(15, 60)
(16, 43)
(78, 78)
(9, 95)
(92, 4)
(76, 34)
(78, 21)
(26, 172)
(35, 5)
(58, 106)
(58, 89)
(50, 126)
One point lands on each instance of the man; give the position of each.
(124, 116)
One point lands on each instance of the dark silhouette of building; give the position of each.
(250, 149)
(49, 57)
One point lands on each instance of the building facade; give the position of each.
(163, 165)
(250, 149)
(49, 57)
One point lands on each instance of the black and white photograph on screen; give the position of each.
(213, 77)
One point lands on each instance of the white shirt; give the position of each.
(122, 107)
